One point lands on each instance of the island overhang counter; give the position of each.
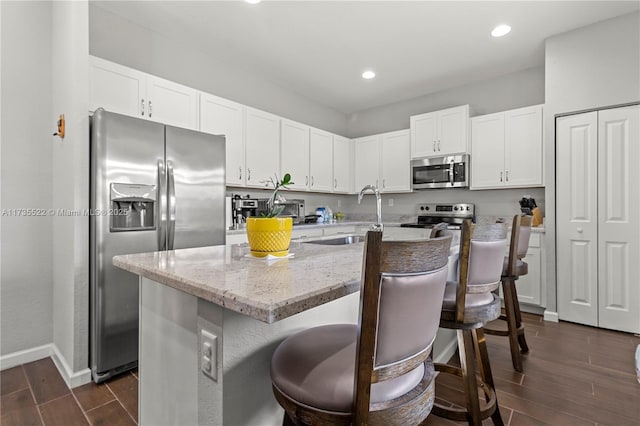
(217, 311)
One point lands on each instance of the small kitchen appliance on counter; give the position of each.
(430, 214)
(242, 208)
(528, 206)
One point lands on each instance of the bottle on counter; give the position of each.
(320, 212)
(328, 218)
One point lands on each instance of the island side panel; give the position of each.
(168, 356)
(248, 347)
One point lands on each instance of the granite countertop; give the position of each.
(299, 226)
(267, 291)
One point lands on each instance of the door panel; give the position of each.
(262, 145)
(523, 147)
(487, 151)
(172, 103)
(321, 164)
(294, 153)
(618, 224)
(198, 168)
(576, 185)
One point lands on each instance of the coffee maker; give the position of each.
(242, 208)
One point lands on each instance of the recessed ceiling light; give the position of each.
(368, 75)
(253, 1)
(500, 30)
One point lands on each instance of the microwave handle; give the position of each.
(451, 175)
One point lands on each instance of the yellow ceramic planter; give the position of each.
(269, 235)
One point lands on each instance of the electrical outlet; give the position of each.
(209, 354)
(390, 202)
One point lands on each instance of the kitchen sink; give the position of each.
(339, 241)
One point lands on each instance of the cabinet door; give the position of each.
(321, 165)
(367, 154)
(424, 134)
(342, 164)
(523, 147)
(294, 153)
(172, 103)
(528, 286)
(618, 225)
(116, 88)
(453, 126)
(395, 161)
(262, 145)
(222, 117)
(487, 151)
(577, 218)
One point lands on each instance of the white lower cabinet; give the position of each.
(530, 286)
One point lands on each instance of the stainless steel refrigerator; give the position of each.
(153, 188)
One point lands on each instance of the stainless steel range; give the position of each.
(430, 214)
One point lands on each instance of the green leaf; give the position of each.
(286, 179)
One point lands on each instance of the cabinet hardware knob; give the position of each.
(335, 183)
(150, 110)
(248, 174)
(142, 107)
(306, 180)
(500, 176)
(312, 181)
(240, 175)
(507, 175)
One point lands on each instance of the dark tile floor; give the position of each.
(573, 375)
(35, 394)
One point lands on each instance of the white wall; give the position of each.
(70, 157)
(592, 67)
(27, 127)
(118, 40)
(509, 91)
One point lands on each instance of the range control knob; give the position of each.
(427, 208)
(468, 208)
(422, 208)
(456, 208)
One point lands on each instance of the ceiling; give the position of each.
(319, 49)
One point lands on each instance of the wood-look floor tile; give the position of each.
(519, 419)
(111, 414)
(63, 411)
(17, 401)
(45, 381)
(125, 388)
(93, 395)
(28, 416)
(540, 412)
(13, 379)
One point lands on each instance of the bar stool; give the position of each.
(514, 267)
(377, 372)
(468, 304)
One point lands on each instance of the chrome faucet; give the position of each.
(376, 226)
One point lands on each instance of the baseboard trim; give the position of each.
(72, 379)
(447, 352)
(551, 316)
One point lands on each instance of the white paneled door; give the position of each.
(577, 217)
(598, 231)
(618, 219)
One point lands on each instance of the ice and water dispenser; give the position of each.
(133, 207)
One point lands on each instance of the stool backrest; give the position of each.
(520, 235)
(400, 303)
(481, 259)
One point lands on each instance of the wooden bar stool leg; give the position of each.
(485, 370)
(508, 287)
(520, 327)
(469, 381)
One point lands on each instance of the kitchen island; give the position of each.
(244, 307)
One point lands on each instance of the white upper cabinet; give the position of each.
(440, 133)
(395, 159)
(116, 88)
(294, 153)
(384, 160)
(321, 164)
(506, 149)
(126, 91)
(262, 145)
(222, 117)
(172, 103)
(342, 165)
(367, 161)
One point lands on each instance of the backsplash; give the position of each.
(489, 203)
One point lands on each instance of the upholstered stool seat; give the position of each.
(377, 372)
(514, 267)
(468, 304)
(316, 367)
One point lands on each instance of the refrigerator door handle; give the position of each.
(171, 192)
(162, 206)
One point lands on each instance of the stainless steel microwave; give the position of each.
(451, 171)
